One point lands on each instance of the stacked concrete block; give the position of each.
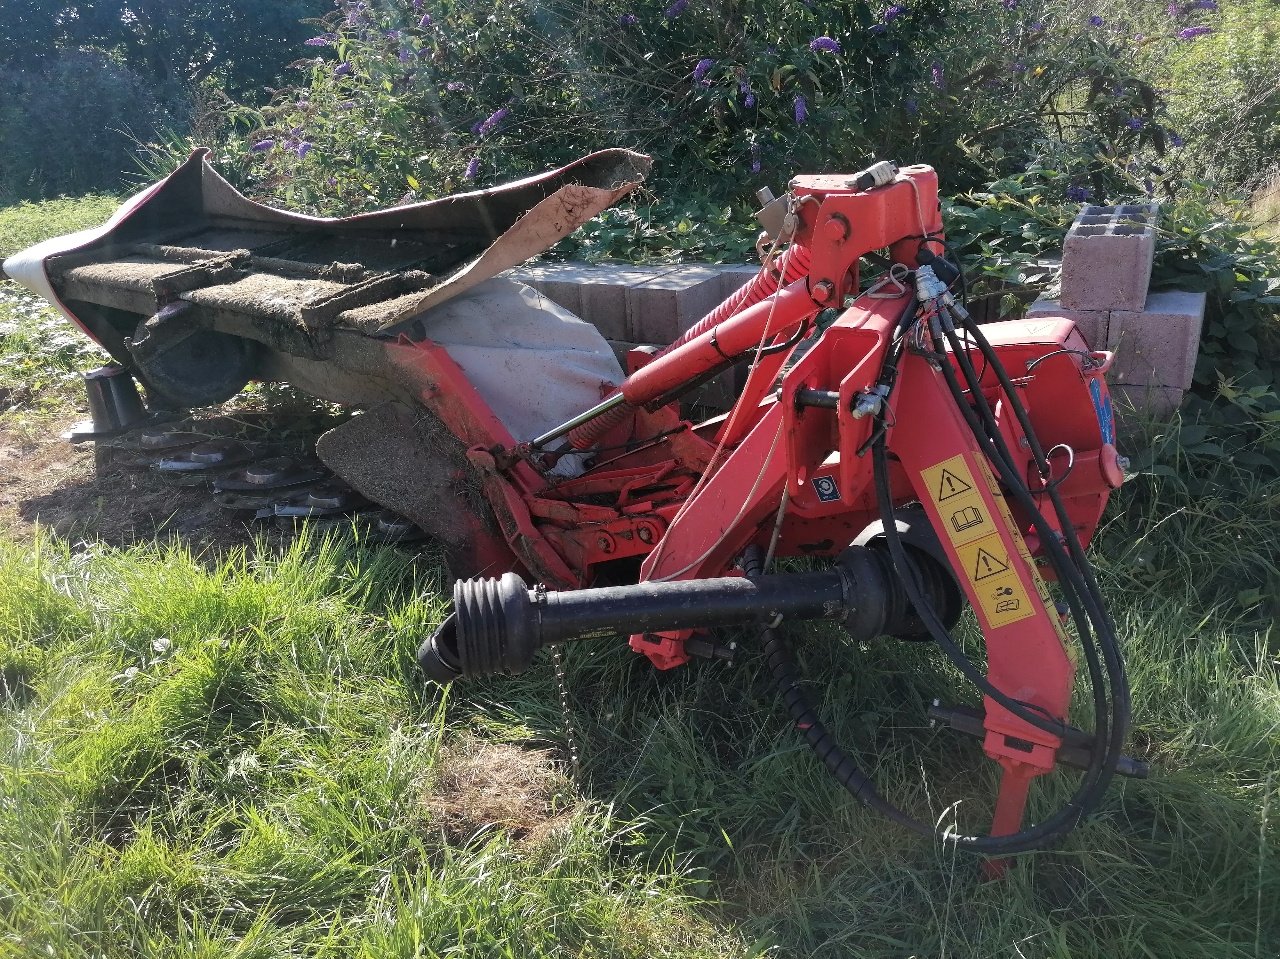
(1106, 268)
(598, 294)
(1107, 256)
(662, 308)
(643, 305)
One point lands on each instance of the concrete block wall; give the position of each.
(639, 305)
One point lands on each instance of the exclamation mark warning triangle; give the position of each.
(985, 564)
(949, 485)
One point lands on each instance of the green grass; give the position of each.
(235, 756)
(27, 224)
(41, 352)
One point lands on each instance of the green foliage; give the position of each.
(169, 43)
(664, 231)
(70, 124)
(403, 106)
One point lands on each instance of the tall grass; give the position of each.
(236, 757)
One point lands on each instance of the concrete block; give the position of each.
(661, 309)
(594, 292)
(735, 276)
(1133, 404)
(1157, 346)
(1092, 323)
(1107, 255)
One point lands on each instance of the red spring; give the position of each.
(765, 283)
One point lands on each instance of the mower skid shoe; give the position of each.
(403, 458)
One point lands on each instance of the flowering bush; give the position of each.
(409, 98)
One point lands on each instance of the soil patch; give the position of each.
(46, 481)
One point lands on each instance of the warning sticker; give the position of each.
(953, 490)
(949, 485)
(983, 556)
(996, 585)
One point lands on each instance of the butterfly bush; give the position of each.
(411, 94)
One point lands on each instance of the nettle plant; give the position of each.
(412, 98)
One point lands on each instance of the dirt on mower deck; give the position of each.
(47, 481)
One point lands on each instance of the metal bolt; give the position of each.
(837, 228)
(1123, 463)
(822, 292)
(645, 534)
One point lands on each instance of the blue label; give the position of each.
(1106, 415)
(826, 488)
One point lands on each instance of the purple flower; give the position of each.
(911, 106)
(406, 55)
(302, 149)
(755, 158)
(487, 125)
(894, 12)
(1192, 32)
(1134, 123)
(262, 146)
(801, 108)
(1210, 5)
(628, 19)
(935, 73)
(425, 21)
(824, 45)
(748, 95)
(453, 86)
(1037, 27)
(1018, 68)
(1079, 194)
(1176, 140)
(676, 9)
(472, 169)
(1095, 21)
(1010, 4)
(1138, 38)
(417, 4)
(1173, 9)
(702, 69)
(343, 69)
(322, 41)
(393, 34)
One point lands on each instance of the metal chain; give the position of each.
(570, 734)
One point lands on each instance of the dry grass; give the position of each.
(482, 785)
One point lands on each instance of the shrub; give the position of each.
(412, 98)
(69, 125)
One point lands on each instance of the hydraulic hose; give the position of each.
(1079, 586)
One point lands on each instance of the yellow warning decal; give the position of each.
(967, 523)
(990, 571)
(952, 489)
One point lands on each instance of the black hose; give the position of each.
(1079, 586)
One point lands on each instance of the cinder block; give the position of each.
(1156, 402)
(661, 309)
(1092, 323)
(735, 276)
(594, 292)
(1157, 346)
(1106, 258)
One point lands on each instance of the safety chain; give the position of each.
(570, 734)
